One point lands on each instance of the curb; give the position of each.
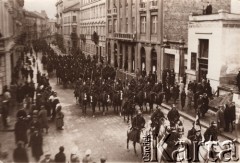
(191, 118)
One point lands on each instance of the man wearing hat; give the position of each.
(47, 158)
(205, 102)
(156, 119)
(87, 158)
(211, 134)
(138, 123)
(173, 116)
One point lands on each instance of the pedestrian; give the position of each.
(60, 156)
(211, 134)
(173, 116)
(20, 131)
(232, 112)
(183, 98)
(238, 80)
(87, 158)
(189, 98)
(20, 154)
(208, 9)
(47, 158)
(43, 118)
(103, 159)
(36, 142)
(227, 117)
(5, 114)
(59, 117)
(74, 158)
(220, 118)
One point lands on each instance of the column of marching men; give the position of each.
(96, 87)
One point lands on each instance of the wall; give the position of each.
(176, 14)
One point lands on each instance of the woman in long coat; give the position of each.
(36, 142)
(43, 118)
(220, 118)
(59, 117)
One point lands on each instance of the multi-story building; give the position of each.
(151, 34)
(93, 19)
(59, 6)
(70, 16)
(11, 24)
(52, 29)
(35, 25)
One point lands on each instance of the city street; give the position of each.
(104, 135)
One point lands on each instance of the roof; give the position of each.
(73, 7)
(32, 14)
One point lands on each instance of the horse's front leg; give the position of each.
(134, 146)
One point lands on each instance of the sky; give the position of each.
(38, 5)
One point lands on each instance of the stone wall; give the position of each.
(176, 15)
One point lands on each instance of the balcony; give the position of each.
(142, 7)
(109, 12)
(114, 11)
(125, 36)
(154, 5)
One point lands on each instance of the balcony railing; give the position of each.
(142, 7)
(125, 36)
(153, 5)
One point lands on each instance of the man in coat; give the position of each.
(173, 116)
(60, 156)
(211, 134)
(232, 112)
(20, 131)
(220, 118)
(156, 119)
(36, 143)
(20, 154)
(138, 123)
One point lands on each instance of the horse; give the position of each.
(159, 98)
(84, 102)
(105, 100)
(139, 99)
(131, 137)
(128, 109)
(93, 102)
(149, 97)
(117, 102)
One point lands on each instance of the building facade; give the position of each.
(70, 26)
(59, 7)
(213, 52)
(11, 24)
(93, 19)
(151, 35)
(52, 30)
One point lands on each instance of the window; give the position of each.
(115, 25)
(120, 24)
(154, 24)
(193, 61)
(74, 18)
(143, 24)
(203, 48)
(74, 29)
(133, 24)
(126, 25)
(109, 26)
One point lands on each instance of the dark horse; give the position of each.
(117, 100)
(149, 97)
(84, 101)
(105, 100)
(139, 99)
(93, 102)
(128, 109)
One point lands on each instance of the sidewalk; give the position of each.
(210, 116)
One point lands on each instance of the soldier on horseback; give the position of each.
(138, 123)
(156, 120)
